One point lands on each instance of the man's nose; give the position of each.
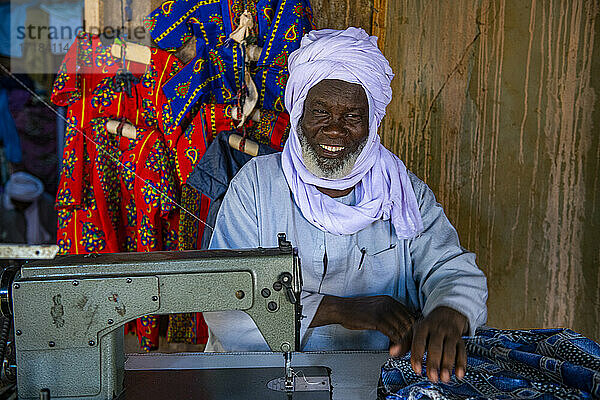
(335, 127)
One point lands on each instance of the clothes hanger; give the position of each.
(121, 128)
(247, 103)
(133, 52)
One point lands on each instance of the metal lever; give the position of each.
(286, 281)
(283, 243)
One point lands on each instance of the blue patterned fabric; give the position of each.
(216, 74)
(503, 364)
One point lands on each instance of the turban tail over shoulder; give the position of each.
(382, 186)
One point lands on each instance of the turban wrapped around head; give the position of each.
(383, 189)
(22, 186)
(350, 55)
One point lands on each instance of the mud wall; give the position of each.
(495, 107)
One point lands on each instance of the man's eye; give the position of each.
(354, 117)
(318, 111)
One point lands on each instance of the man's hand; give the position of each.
(381, 313)
(440, 334)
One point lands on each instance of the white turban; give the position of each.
(382, 186)
(22, 186)
(25, 187)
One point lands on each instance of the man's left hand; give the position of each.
(440, 333)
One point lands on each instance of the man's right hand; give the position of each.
(381, 313)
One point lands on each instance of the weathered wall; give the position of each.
(339, 14)
(494, 107)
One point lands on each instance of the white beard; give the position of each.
(328, 168)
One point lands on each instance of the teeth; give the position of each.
(334, 149)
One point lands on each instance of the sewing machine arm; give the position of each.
(68, 312)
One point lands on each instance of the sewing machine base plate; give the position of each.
(354, 375)
(230, 383)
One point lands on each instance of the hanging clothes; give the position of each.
(88, 70)
(127, 190)
(9, 138)
(36, 126)
(187, 152)
(216, 75)
(212, 175)
(197, 136)
(116, 193)
(272, 129)
(89, 179)
(13, 17)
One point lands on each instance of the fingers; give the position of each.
(435, 349)
(448, 358)
(461, 359)
(402, 347)
(419, 342)
(454, 350)
(445, 351)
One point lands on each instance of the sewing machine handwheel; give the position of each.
(6, 279)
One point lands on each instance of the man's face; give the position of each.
(334, 127)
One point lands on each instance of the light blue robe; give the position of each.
(423, 273)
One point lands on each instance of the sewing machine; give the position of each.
(69, 312)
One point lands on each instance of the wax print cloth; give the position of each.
(504, 364)
(93, 184)
(272, 129)
(188, 150)
(115, 193)
(187, 328)
(216, 75)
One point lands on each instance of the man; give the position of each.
(27, 213)
(376, 249)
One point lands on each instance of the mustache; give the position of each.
(328, 168)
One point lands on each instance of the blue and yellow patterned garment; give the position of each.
(216, 74)
(502, 364)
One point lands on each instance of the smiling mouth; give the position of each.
(332, 149)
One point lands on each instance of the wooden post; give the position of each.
(92, 15)
(379, 21)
